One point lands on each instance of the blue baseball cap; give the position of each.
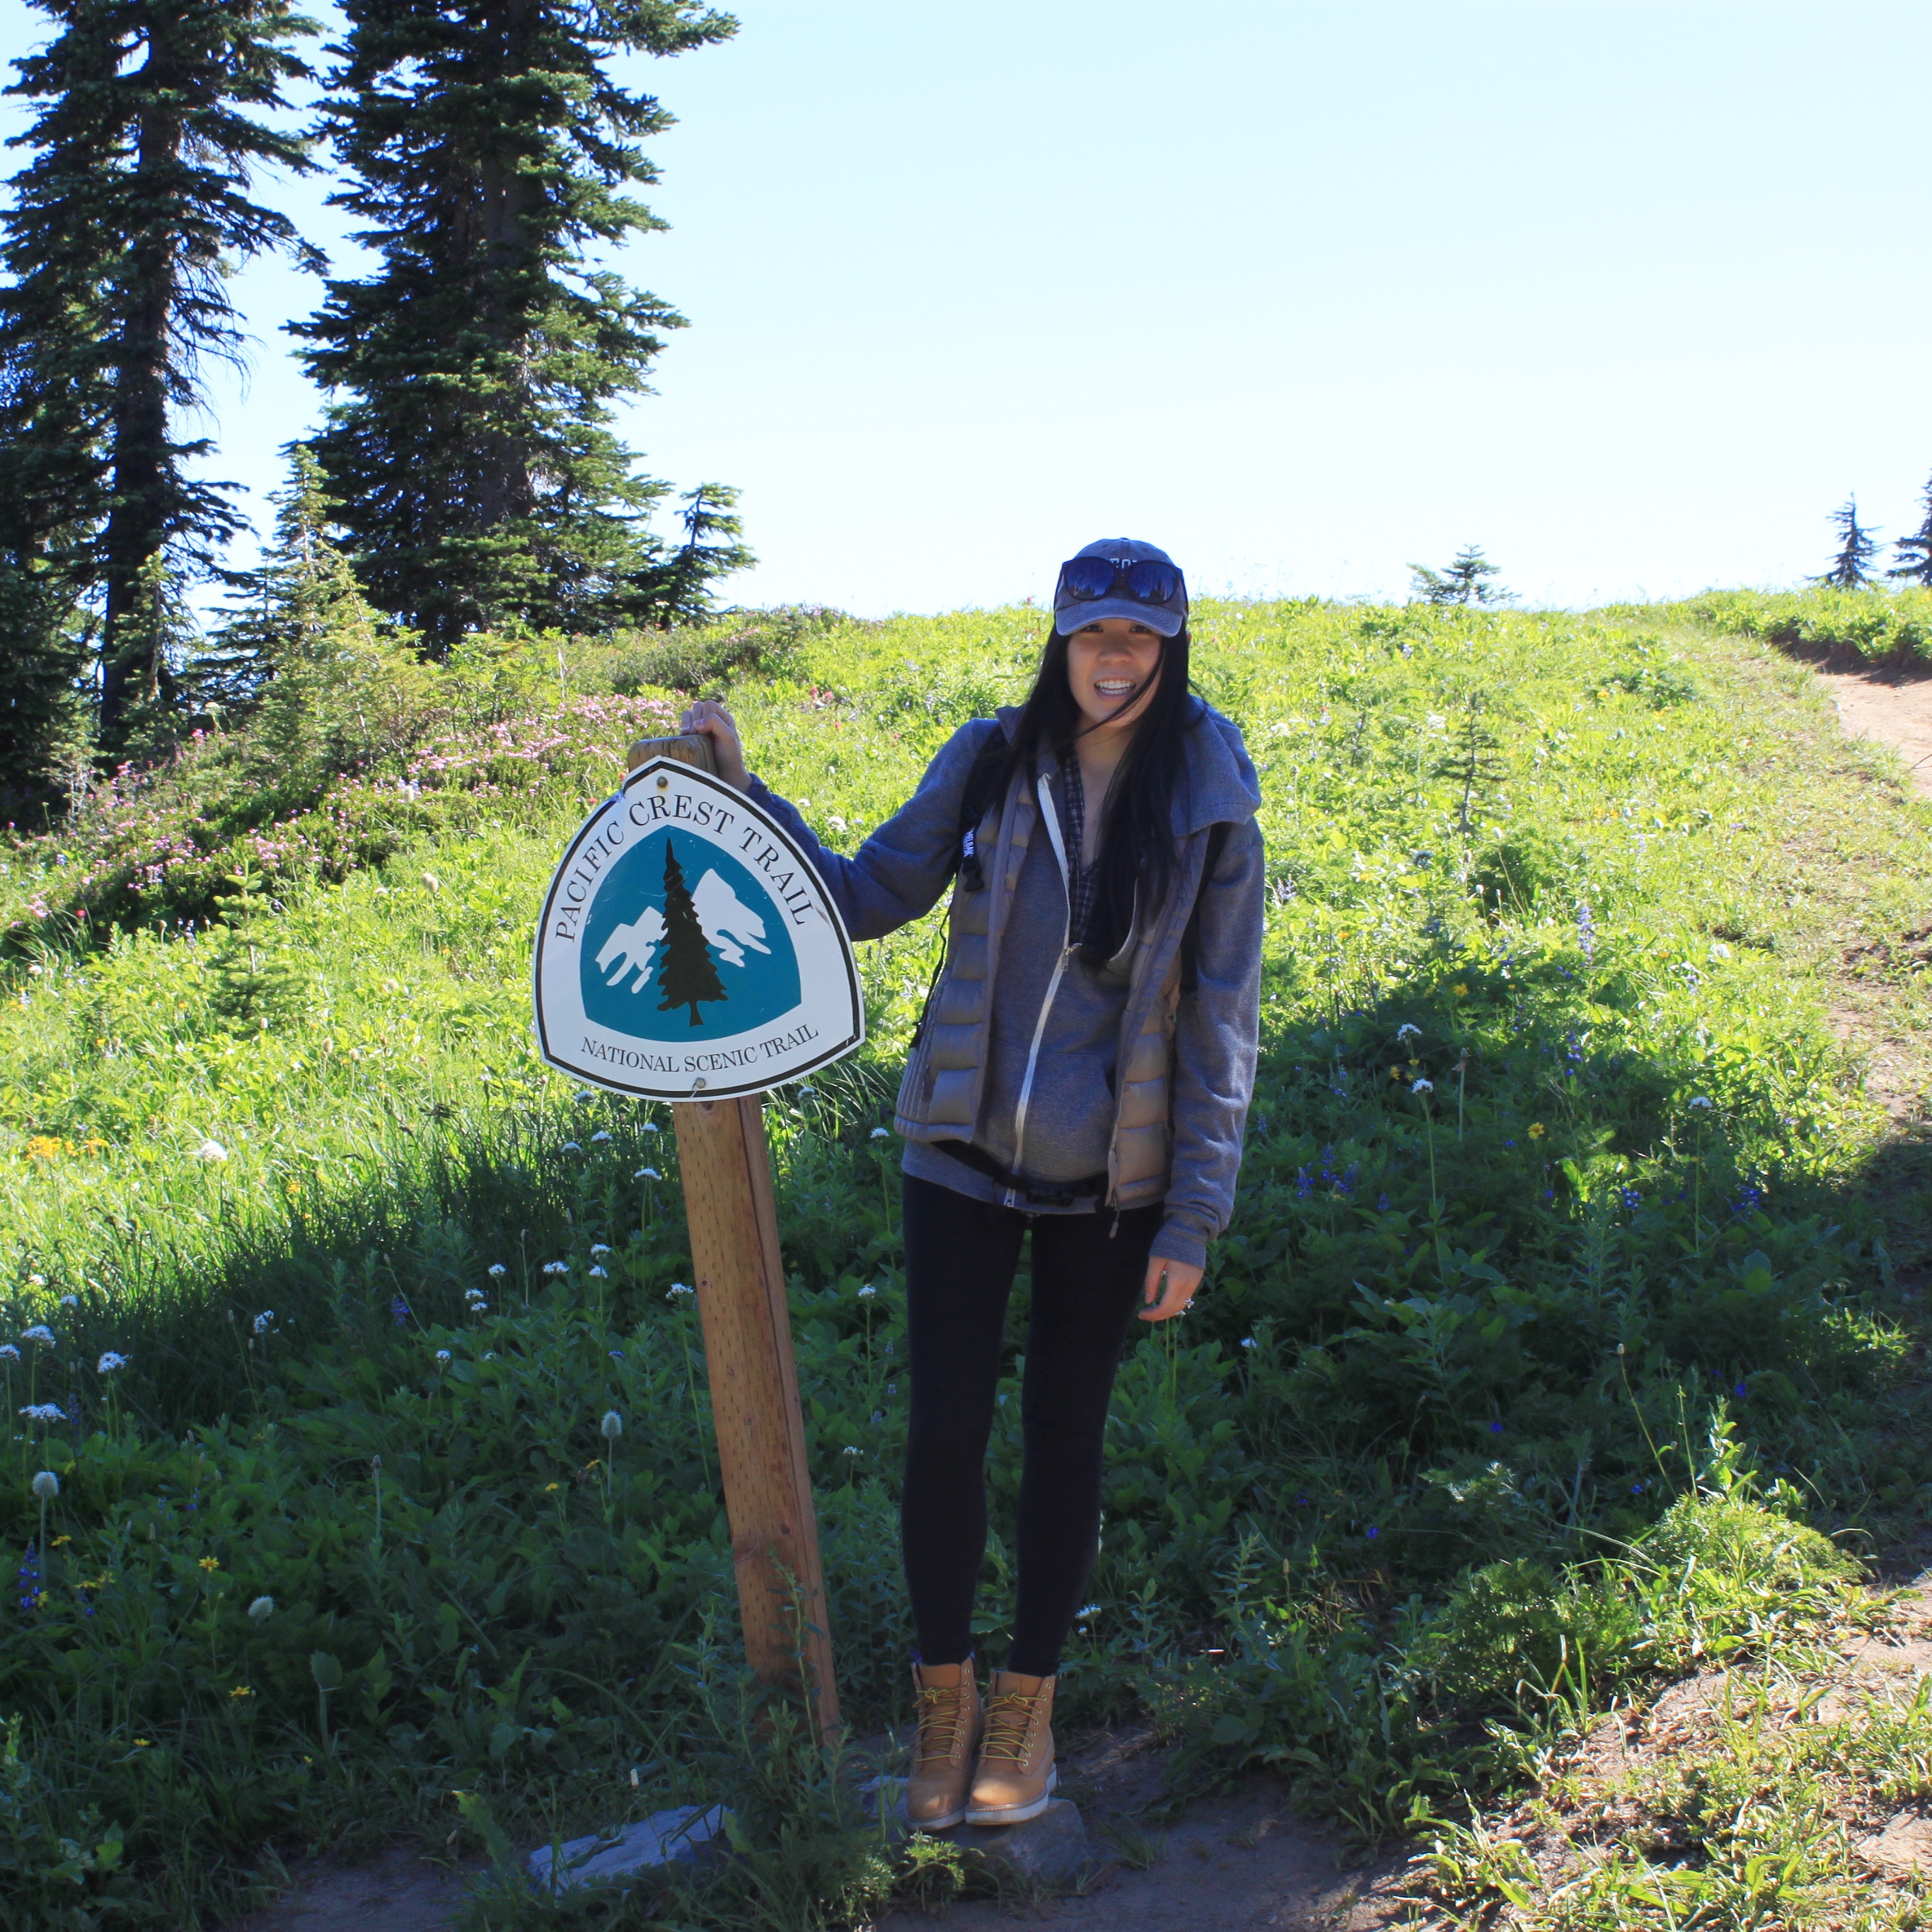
(1119, 577)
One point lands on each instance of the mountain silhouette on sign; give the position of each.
(729, 924)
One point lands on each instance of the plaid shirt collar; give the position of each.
(1081, 879)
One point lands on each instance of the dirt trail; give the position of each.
(1238, 1862)
(1242, 1863)
(393, 1892)
(1891, 705)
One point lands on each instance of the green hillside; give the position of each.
(1481, 1365)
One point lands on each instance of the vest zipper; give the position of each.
(1052, 820)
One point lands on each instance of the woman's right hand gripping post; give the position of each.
(708, 718)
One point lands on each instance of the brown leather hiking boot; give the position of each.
(1015, 1777)
(951, 1718)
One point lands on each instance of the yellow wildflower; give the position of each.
(1461, 992)
(241, 1691)
(211, 1563)
(549, 1487)
(144, 1743)
(1536, 1130)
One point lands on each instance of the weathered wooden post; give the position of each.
(733, 1220)
(620, 924)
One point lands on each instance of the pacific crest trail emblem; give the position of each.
(688, 946)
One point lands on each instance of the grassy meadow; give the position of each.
(1565, 1337)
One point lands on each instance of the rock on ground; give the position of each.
(683, 1835)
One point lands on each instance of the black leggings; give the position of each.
(1087, 1280)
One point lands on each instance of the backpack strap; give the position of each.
(982, 781)
(1190, 938)
(975, 801)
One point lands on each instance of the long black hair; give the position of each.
(1137, 852)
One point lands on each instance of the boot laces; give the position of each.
(1010, 1722)
(942, 1722)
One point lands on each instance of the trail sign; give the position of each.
(688, 949)
(688, 953)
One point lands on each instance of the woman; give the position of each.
(1082, 1073)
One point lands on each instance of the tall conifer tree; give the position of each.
(1914, 552)
(123, 232)
(687, 975)
(186, 217)
(1851, 568)
(57, 248)
(299, 596)
(470, 457)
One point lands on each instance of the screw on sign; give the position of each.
(687, 952)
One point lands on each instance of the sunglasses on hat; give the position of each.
(1086, 579)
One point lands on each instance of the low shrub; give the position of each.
(704, 660)
(1886, 626)
(1368, 1713)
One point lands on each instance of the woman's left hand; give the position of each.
(1165, 1300)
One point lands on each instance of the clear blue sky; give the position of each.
(1631, 294)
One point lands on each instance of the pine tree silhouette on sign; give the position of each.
(689, 975)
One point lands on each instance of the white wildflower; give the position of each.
(495, 1270)
(1423, 1086)
(600, 1274)
(46, 1485)
(70, 1301)
(261, 1609)
(599, 1135)
(1247, 1341)
(837, 823)
(44, 1411)
(40, 1332)
(37, 1281)
(583, 1094)
(1408, 1027)
(109, 1362)
(650, 1127)
(647, 1173)
(265, 1321)
(881, 1133)
(8, 1353)
(211, 1150)
(571, 1147)
(866, 1293)
(612, 1426)
(441, 1355)
(600, 1247)
(430, 880)
(850, 1451)
(556, 1268)
(1701, 1100)
(676, 1290)
(475, 1297)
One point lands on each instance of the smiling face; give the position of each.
(1112, 668)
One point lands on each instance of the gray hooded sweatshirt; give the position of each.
(1027, 1046)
